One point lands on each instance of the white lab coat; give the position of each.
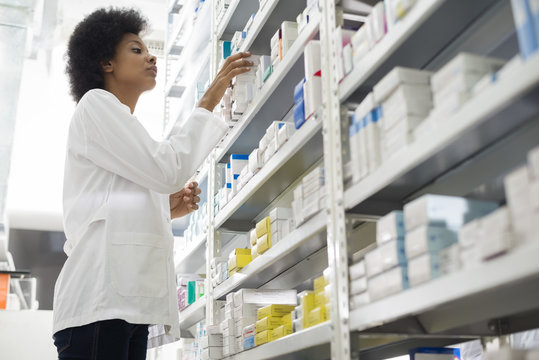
(117, 183)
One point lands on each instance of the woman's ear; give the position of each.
(106, 66)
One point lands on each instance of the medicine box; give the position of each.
(268, 323)
(248, 331)
(428, 239)
(471, 233)
(312, 58)
(265, 297)
(435, 354)
(263, 243)
(263, 227)
(358, 286)
(245, 311)
(463, 83)
(497, 222)
(517, 191)
(425, 267)
(389, 227)
(318, 315)
(275, 310)
(393, 253)
(280, 213)
(408, 100)
(440, 210)
(373, 262)
(249, 342)
(359, 300)
(496, 245)
(396, 280)
(399, 75)
(285, 133)
(244, 322)
(211, 340)
(212, 353)
(462, 63)
(255, 161)
(281, 331)
(262, 338)
(357, 270)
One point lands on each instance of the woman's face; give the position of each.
(133, 65)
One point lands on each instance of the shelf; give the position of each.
(464, 302)
(296, 246)
(267, 21)
(295, 157)
(311, 343)
(273, 102)
(481, 122)
(193, 313)
(194, 257)
(411, 42)
(381, 346)
(236, 18)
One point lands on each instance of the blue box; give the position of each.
(227, 50)
(298, 92)
(299, 114)
(248, 343)
(437, 353)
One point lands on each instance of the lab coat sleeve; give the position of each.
(116, 141)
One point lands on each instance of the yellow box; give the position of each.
(319, 284)
(276, 310)
(263, 227)
(263, 243)
(306, 300)
(320, 298)
(287, 319)
(268, 323)
(242, 251)
(280, 331)
(317, 316)
(262, 338)
(232, 272)
(239, 261)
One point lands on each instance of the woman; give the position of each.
(119, 276)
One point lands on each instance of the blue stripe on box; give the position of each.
(452, 351)
(228, 185)
(239, 157)
(236, 176)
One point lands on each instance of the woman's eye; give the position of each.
(138, 51)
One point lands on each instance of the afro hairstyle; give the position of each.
(94, 41)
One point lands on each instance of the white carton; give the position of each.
(471, 233)
(463, 83)
(246, 311)
(373, 262)
(255, 161)
(212, 353)
(464, 62)
(408, 100)
(265, 297)
(359, 300)
(280, 213)
(440, 210)
(428, 239)
(312, 58)
(358, 286)
(393, 253)
(399, 75)
(357, 270)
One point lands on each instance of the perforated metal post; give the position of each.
(336, 227)
(210, 241)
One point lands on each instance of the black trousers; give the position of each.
(103, 340)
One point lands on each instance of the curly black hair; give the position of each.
(94, 41)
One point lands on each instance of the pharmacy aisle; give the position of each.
(376, 192)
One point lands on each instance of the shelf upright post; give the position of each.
(333, 164)
(211, 249)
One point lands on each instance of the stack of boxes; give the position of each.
(343, 49)
(308, 92)
(273, 322)
(406, 100)
(238, 259)
(313, 307)
(432, 222)
(219, 270)
(384, 15)
(452, 85)
(364, 133)
(243, 89)
(263, 236)
(241, 308)
(358, 285)
(281, 41)
(211, 343)
(309, 196)
(190, 289)
(386, 265)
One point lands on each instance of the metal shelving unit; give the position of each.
(465, 154)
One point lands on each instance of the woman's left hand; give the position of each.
(184, 201)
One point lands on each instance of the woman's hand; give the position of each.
(184, 201)
(234, 65)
